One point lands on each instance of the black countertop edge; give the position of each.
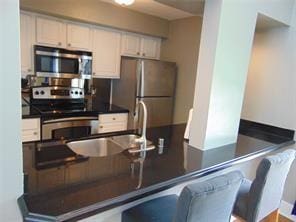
(144, 192)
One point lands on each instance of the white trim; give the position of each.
(286, 210)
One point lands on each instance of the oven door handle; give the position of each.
(69, 119)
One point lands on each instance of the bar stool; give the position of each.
(211, 200)
(261, 198)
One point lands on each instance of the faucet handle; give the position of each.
(150, 147)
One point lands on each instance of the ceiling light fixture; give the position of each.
(124, 2)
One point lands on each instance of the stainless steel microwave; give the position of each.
(62, 63)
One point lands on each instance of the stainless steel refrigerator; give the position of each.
(151, 81)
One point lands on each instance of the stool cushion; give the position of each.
(161, 209)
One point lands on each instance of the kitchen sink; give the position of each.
(95, 147)
(105, 146)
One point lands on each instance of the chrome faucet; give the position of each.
(142, 140)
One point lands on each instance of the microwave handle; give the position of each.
(80, 71)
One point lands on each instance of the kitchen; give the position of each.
(61, 110)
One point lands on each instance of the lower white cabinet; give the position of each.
(30, 129)
(112, 122)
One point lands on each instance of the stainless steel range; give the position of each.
(65, 112)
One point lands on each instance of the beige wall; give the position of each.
(182, 47)
(97, 12)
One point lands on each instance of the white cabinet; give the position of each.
(140, 46)
(30, 129)
(27, 29)
(112, 122)
(131, 45)
(50, 32)
(106, 53)
(78, 37)
(150, 47)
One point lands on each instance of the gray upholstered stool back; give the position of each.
(267, 189)
(211, 200)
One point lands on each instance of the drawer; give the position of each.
(112, 127)
(30, 135)
(117, 117)
(28, 124)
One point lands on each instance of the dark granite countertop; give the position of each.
(84, 186)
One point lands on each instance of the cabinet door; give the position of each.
(106, 54)
(78, 37)
(30, 129)
(131, 45)
(27, 42)
(50, 32)
(76, 173)
(150, 47)
(50, 179)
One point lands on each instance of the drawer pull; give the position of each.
(101, 127)
(114, 118)
(35, 133)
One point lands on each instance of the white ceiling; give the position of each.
(155, 8)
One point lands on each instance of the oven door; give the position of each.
(69, 128)
(60, 65)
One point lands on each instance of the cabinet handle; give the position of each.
(59, 43)
(29, 70)
(144, 54)
(101, 127)
(114, 118)
(35, 133)
(138, 53)
(94, 73)
(69, 44)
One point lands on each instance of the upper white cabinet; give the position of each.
(27, 41)
(57, 33)
(131, 45)
(106, 53)
(78, 37)
(50, 32)
(150, 47)
(140, 46)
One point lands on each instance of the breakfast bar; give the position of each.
(76, 187)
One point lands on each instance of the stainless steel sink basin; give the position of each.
(105, 146)
(95, 147)
(128, 141)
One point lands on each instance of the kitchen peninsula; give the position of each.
(79, 186)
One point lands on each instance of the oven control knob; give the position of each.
(76, 92)
(42, 92)
(71, 92)
(36, 92)
(80, 93)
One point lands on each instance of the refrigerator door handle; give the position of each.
(142, 78)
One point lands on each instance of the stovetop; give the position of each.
(67, 108)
